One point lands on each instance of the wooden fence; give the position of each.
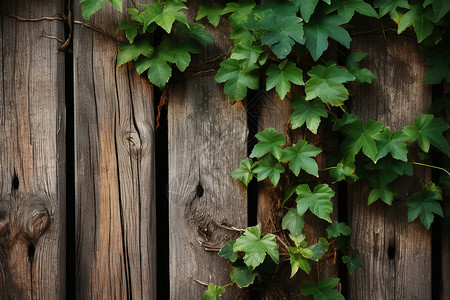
(95, 203)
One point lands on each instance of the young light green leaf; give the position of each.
(236, 78)
(337, 229)
(213, 292)
(241, 275)
(129, 52)
(281, 76)
(425, 204)
(255, 247)
(344, 171)
(360, 136)
(269, 167)
(298, 261)
(299, 157)
(309, 112)
(416, 17)
(169, 14)
(323, 291)
(269, 141)
(326, 82)
(244, 173)
(293, 222)
(347, 8)
(281, 35)
(353, 262)
(247, 52)
(394, 144)
(318, 201)
(90, 7)
(318, 30)
(352, 64)
(227, 251)
(212, 13)
(428, 130)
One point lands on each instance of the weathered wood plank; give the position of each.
(32, 153)
(396, 254)
(207, 139)
(114, 152)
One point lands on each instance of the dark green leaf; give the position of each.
(227, 251)
(318, 201)
(269, 167)
(344, 171)
(90, 7)
(213, 292)
(425, 204)
(298, 261)
(347, 8)
(337, 229)
(299, 157)
(281, 76)
(293, 222)
(282, 35)
(361, 75)
(384, 192)
(269, 141)
(416, 17)
(129, 52)
(212, 13)
(159, 71)
(353, 262)
(241, 275)
(323, 291)
(394, 144)
(244, 173)
(309, 112)
(131, 29)
(247, 52)
(306, 7)
(387, 6)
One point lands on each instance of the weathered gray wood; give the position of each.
(207, 139)
(114, 152)
(394, 98)
(32, 153)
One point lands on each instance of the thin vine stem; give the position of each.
(329, 168)
(431, 166)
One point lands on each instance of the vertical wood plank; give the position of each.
(32, 153)
(207, 138)
(114, 152)
(396, 254)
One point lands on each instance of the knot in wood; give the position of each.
(133, 142)
(38, 223)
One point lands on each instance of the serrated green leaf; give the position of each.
(440, 9)
(269, 141)
(337, 229)
(326, 82)
(227, 251)
(390, 169)
(293, 222)
(394, 144)
(384, 192)
(318, 201)
(353, 262)
(194, 30)
(211, 13)
(159, 72)
(428, 130)
(177, 52)
(247, 52)
(317, 31)
(213, 292)
(323, 291)
(347, 8)
(131, 29)
(361, 136)
(387, 6)
(117, 4)
(280, 77)
(299, 158)
(241, 275)
(425, 204)
(90, 7)
(244, 173)
(236, 78)
(344, 171)
(306, 7)
(256, 248)
(298, 261)
(129, 52)
(352, 64)
(269, 167)
(416, 17)
(309, 112)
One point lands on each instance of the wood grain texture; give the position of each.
(115, 193)
(32, 153)
(396, 254)
(207, 139)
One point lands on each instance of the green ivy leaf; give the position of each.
(177, 52)
(227, 251)
(281, 76)
(344, 171)
(425, 204)
(394, 144)
(428, 130)
(241, 275)
(237, 79)
(255, 247)
(281, 36)
(353, 262)
(213, 292)
(323, 291)
(347, 8)
(318, 30)
(159, 72)
(390, 169)
(360, 136)
(299, 157)
(388, 6)
(306, 7)
(90, 7)
(440, 9)
(131, 29)
(194, 30)
(212, 13)
(169, 14)
(293, 222)
(309, 112)
(326, 82)
(248, 52)
(317, 251)
(244, 173)
(352, 64)
(269, 167)
(298, 261)
(336, 229)
(269, 141)
(318, 201)
(384, 192)
(129, 52)
(416, 17)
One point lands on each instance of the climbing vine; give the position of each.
(270, 42)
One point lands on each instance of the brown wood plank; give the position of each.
(115, 193)
(396, 254)
(32, 153)
(207, 139)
